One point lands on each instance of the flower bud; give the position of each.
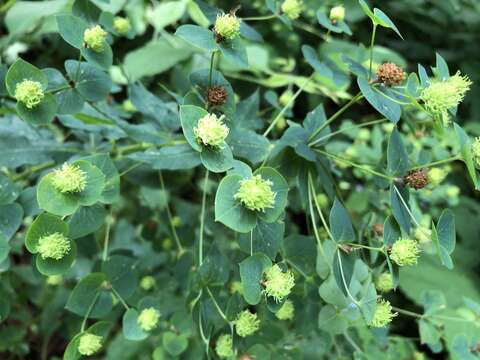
(148, 319)
(29, 93)
(54, 246)
(286, 312)
(422, 234)
(89, 344)
(236, 287)
(390, 74)
(216, 96)
(384, 282)
(246, 323)
(292, 8)
(278, 284)
(405, 252)
(128, 106)
(94, 38)
(227, 27)
(211, 131)
(437, 175)
(147, 283)
(256, 193)
(417, 179)
(167, 244)
(337, 13)
(54, 280)
(69, 179)
(383, 314)
(121, 25)
(224, 347)
(286, 97)
(476, 151)
(453, 191)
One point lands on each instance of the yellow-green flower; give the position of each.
(54, 246)
(147, 283)
(286, 311)
(121, 25)
(476, 151)
(453, 191)
(384, 282)
(211, 131)
(278, 284)
(69, 179)
(383, 314)
(29, 93)
(148, 319)
(224, 347)
(236, 287)
(437, 175)
(246, 323)
(292, 8)
(405, 252)
(94, 38)
(337, 13)
(89, 344)
(256, 193)
(54, 280)
(227, 26)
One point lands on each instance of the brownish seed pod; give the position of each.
(390, 74)
(417, 179)
(216, 96)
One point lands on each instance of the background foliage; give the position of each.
(124, 119)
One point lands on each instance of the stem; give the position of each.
(352, 343)
(319, 210)
(358, 166)
(309, 28)
(435, 163)
(287, 105)
(314, 223)
(409, 313)
(210, 75)
(257, 18)
(33, 170)
(337, 114)
(202, 219)
(105, 242)
(222, 314)
(202, 334)
(169, 214)
(77, 72)
(379, 249)
(120, 298)
(90, 308)
(344, 281)
(372, 42)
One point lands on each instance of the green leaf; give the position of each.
(444, 237)
(90, 289)
(95, 183)
(45, 224)
(466, 151)
(92, 83)
(102, 58)
(280, 188)
(251, 274)
(229, 211)
(339, 27)
(104, 163)
(442, 68)
(86, 220)
(189, 116)
(22, 70)
(130, 327)
(121, 274)
(177, 157)
(11, 216)
(50, 267)
(101, 328)
(235, 52)
(43, 113)
(340, 223)
(71, 29)
(174, 344)
(53, 201)
(266, 239)
(342, 267)
(383, 20)
(397, 157)
(384, 105)
(399, 198)
(391, 231)
(197, 36)
(248, 145)
(217, 160)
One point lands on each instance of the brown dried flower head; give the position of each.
(417, 179)
(390, 74)
(216, 96)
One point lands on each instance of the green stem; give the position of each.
(222, 314)
(380, 249)
(372, 42)
(202, 219)
(89, 310)
(77, 72)
(210, 75)
(314, 222)
(287, 105)
(344, 281)
(106, 241)
(435, 163)
(352, 343)
(310, 29)
(33, 170)
(120, 298)
(170, 218)
(258, 18)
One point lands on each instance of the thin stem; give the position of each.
(258, 18)
(105, 241)
(314, 222)
(439, 162)
(352, 343)
(380, 249)
(77, 72)
(202, 219)
(309, 28)
(300, 271)
(202, 334)
(222, 314)
(287, 105)
(33, 170)
(345, 281)
(358, 166)
(120, 298)
(89, 310)
(210, 75)
(319, 210)
(425, 316)
(170, 218)
(406, 206)
(409, 313)
(372, 42)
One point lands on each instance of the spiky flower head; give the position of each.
(440, 96)
(278, 284)
(148, 319)
(337, 13)
(422, 234)
(383, 314)
(227, 27)
(224, 347)
(417, 179)
(405, 252)
(29, 93)
(256, 193)
(211, 131)
(286, 311)
(69, 179)
(89, 344)
(217, 95)
(121, 25)
(437, 175)
(476, 151)
(292, 8)
(54, 280)
(147, 283)
(390, 74)
(94, 38)
(384, 282)
(246, 323)
(54, 246)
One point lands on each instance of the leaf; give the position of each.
(45, 224)
(342, 267)
(88, 290)
(71, 29)
(174, 344)
(167, 13)
(86, 220)
(101, 328)
(397, 158)
(340, 223)
(399, 198)
(251, 274)
(130, 327)
(247, 144)
(22, 70)
(235, 52)
(11, 216)
(43, 113)
(391, 231)
(444, 237)
(442, 68)
(111, 191)
(339, 27)
(51, 267)
(383, 20)
(466, 151)
(379, 101)
(175, 157)
(197, 36)
(92, 83)
(189, 117)
(217, 160)
(266, 239)
(121, 274)
(8, 190)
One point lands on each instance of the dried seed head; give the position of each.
(417, 179)
(378, 229)
(216, 96)
(29, 93)
(390, 74)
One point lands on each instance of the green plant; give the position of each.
(153, 204)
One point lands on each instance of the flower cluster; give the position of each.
(211, 131)
(256, 193)
(278, 284)
(246, 323)
(292, 8)
(405, 252)
(69, 179)
(286, 311)
(383, 314)
(337, 13)
(94, 38)
(121, 25)
(437, 175)
(148, 319)
(227, 27)
(53, 246)
(89, 344)
(384, 282)
(224, 347)
(147, 283)
(29, 93)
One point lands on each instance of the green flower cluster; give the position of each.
(337, 13)
(405, 252)
(29, 93)
(278, 284)
(69, 179)
(292, 8)
(94, 38)
(54, 246)
(121, 25)
(384, 282)
(383, 314)
(246, 323)
(256, 193)
(227, 26)
(286, 311)
(211, 131)
(147, 283)
(224, 347)
(89, 344)
(148, 319)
